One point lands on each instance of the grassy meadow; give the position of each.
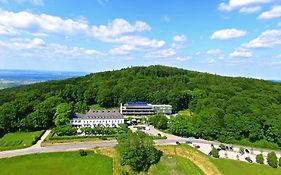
(65, 163)
(18, 140)
(170, 165)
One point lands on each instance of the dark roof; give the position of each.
(136, 104)
(100, 114)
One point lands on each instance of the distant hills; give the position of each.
(13, 78)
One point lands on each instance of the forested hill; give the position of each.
(223, 107)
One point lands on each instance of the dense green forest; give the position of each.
(223, 108)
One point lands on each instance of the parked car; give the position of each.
(247, 151)
(212, 145)
(210, 153)
(197, 146)
(231, 148)
(178, 143)
(227, 148)
(188, 142)
(248, 159)
(219, 149)
(159, 134)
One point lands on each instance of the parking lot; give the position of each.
(205, 146)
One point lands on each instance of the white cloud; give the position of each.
(38, 47)
(249, 10)
(227, 34)
(164, 53)
(122, 50)
(179, 38)
(211, 61)
(234, 4)
(213, 52)
(275, 12)
(72, 51)
(6, 31)
(267, 39)
(118, 27)
(22, 43)
(34, 2)
(242, 53)
(41, 24)
(186, 58)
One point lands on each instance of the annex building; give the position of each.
(94, 118)
(144, 109)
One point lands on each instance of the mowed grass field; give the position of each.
(170, 165)
(234, 167)
(18, 140)
(64, 163)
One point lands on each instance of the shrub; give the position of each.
(272, 160)
(280, 162)
(65, 130)
(83, 152)
(260, 159)
(222, 146)
(242, 150)
(215, 153)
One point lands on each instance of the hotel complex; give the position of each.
(113, 118)
(144, 109)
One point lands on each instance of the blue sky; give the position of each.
(230, 37)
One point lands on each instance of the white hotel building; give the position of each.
(93, 118)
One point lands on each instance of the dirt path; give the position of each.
(200, 160)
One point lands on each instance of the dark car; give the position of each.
(231, 148)
(197, 147)
(247, 151)
(210, 153)
(219, 149)
(178, 143)
(188, 142)
(159, 134)
(248, 159)
(227, 148)
(212, 145)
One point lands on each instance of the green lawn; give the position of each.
(18, 140)
(65, 163)
(170, 165)
(234, 167)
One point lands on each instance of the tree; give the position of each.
(160, 121)
(63, 113)
(260, 159)
(280, 162)
(215, 153)
(137, 150)
(272, 159)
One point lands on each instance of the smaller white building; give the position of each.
(94, 118)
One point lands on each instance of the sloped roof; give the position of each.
(100, 114)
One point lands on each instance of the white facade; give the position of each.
(80, 123)
(103, 118)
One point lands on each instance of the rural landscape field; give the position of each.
(142, 87)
